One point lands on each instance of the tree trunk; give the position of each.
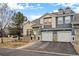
(1, 39)
(18, 37)
(1, 36)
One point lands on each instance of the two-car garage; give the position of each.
(62, 36)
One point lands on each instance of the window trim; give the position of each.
(60, 19)
(67, 21)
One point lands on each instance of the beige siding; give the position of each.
(26, 27)
(42, 20)
(77, 35)
(53, 22)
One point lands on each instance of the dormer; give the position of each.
(68, 10)
(61, 11)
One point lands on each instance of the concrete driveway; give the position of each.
(57, 47)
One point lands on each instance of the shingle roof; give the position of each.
(51, 29)
(36, 21)
(36, 25)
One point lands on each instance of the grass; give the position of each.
(9, 43)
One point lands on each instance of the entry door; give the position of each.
(64, 36)
(47, 36)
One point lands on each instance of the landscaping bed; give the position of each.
(14, 43)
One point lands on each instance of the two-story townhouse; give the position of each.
(75, 26)
(44, 22)
(61, 26)
(56, 26)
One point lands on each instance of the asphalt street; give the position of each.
(18, 52)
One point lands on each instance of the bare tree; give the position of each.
(5, 17)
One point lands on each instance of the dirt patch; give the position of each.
(76, 46)
(14, 43)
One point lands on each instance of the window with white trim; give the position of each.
(67, 19)
(60, 20)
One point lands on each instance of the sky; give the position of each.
(35, 10)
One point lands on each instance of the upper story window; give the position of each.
(47, 21)
(67, 19)
(60, 20)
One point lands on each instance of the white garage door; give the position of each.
(47, 36)
(64, 36)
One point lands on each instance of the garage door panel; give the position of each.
(64, 36)
(47, 36)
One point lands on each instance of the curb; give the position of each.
(61, 54)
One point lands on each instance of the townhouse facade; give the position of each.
(61, 26)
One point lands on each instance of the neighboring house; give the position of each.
(36, 28)
(58, 26)
(75, 25)
(27, 29)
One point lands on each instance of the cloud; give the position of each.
(76, 9)
(40, 1)
(63, 4)
(55, 10)
(24, 6)
(33, 17)
(73, 6)
(38, 6)
(15, 6)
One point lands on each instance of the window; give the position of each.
(47, 21)
(60, 20)
(67, 19)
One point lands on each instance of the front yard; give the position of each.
(13, 43)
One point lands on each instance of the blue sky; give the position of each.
(35, 10)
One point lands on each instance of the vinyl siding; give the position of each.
(53, 22)
(26, 27)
